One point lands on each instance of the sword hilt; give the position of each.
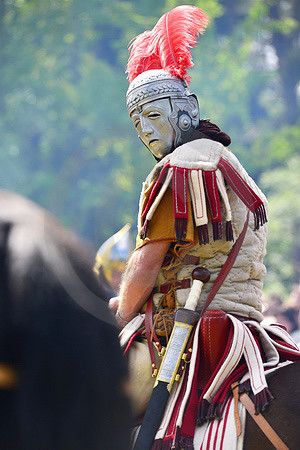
(200, 276)
(185, 319)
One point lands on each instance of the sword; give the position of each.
(185, 319)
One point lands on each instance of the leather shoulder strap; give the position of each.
(227, 266)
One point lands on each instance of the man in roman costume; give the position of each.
(196, 203)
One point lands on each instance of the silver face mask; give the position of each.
(162, 109)
(152, 122)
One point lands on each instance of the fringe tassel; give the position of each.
(203, 234)
(180, 228)
(203, 407)
(244, 192)
(186, 443)
(216, 409)
(245, 386)
(217, 230)
(260, 217)
(182, 442)
(210, 411)
(229, 231)
(261, 400)
(144, 229)
(159, 444)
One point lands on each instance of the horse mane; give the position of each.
(59, 335)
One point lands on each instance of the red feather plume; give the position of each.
(168, 45)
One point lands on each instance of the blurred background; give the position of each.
(66, 139)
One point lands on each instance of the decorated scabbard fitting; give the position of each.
(162, 352)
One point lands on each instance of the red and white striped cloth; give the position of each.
(204, 183)
(242, 360)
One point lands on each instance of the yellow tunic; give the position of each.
(241, 292)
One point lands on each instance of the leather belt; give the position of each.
(178, 284)
(150, 335)
(188, 259)
(262, 423)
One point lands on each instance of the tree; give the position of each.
(66, 139)
(283, 257)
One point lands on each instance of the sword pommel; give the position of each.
(201, 274)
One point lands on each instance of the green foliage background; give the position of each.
(66, 141)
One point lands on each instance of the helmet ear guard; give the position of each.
(184, 116)
(184, 121)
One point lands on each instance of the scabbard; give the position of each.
(153, 417)
(184, 323)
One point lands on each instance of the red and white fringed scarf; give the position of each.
(218, 434)
(251, 350)
(207, 189)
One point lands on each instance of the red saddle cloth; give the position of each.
(214, 333)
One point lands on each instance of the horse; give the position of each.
(62, 375)
(282, 413)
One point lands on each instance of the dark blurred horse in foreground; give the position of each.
(283, 412)
(62, 376)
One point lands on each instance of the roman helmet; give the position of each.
(158, 64)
